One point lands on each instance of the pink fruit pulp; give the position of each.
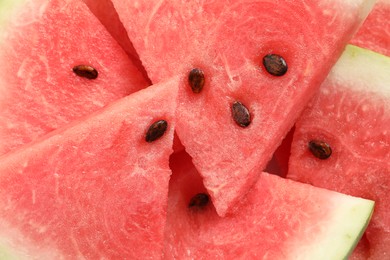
(40, 45)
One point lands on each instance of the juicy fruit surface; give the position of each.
(375, 32)
(105, 12)
(119, 227)
(352, 114)
(41, 41)
(227, 40)
(95, 190)
(277, 221)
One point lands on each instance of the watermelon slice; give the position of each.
(351, 115)
(41, 42)
(280, 219)
(375, 32)
(94, 190)
(227, 41)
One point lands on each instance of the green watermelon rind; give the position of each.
(362, 70)
(353, 217)
(360, 234)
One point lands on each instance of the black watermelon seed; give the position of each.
(196, 80)
(241, 114)
(156, 130)
(85, 71)
(320, 149)
(200, 200)
(275, 64)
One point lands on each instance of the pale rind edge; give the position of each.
(7, 9)
(6, 255)
(347, 223)
(7, 13)
(362, 70)
(15, 246)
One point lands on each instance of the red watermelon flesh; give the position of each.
(94, 190)
(279, 219)
(41, 41)
(177, 145)
(375, 32)
(352, 115)
(105, 12)
(228, 40)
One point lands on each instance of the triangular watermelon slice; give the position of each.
(42, 41)
(94, 190)
(229, 41)
(279, 219)
(348, 125)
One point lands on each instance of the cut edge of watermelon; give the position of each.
(349, 213)
(353, 66)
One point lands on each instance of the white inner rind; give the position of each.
(342, 231)
(362, 70)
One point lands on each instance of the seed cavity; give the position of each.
(320, 149)
(156, 130)
(241, 114)
(275, 64)
(85, 71)
(196, 80)
(199, 201)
